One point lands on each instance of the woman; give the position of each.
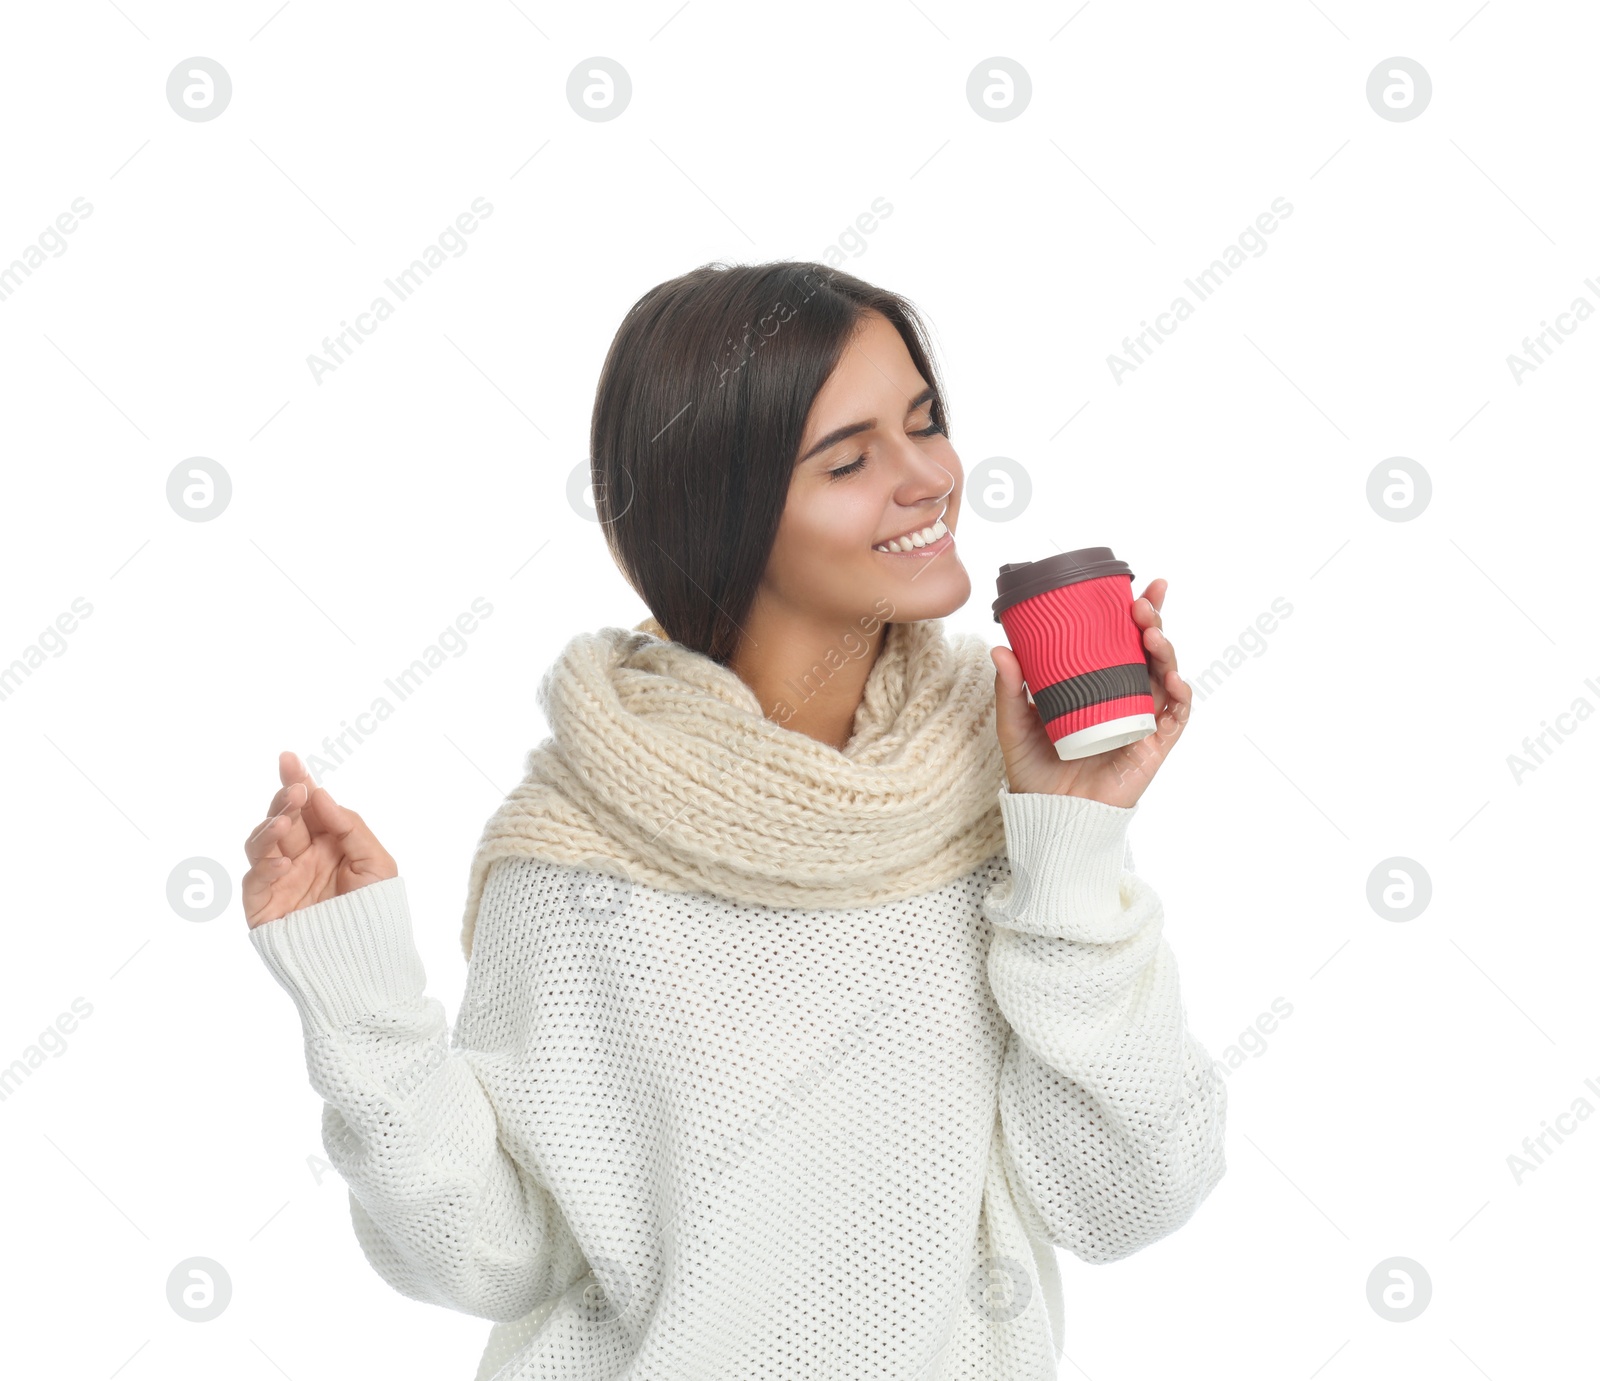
(811, 998)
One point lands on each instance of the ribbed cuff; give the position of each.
(1067, 855)
(344, 958)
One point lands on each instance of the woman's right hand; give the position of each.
(307, 850)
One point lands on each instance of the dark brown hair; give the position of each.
(698, 419)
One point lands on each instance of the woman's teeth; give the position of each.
(915, 539)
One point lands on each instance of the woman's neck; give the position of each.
(808, 673)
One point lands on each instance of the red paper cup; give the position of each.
(1069, 619)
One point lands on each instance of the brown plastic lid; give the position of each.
(1020, 580)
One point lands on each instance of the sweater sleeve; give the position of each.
(441, 1210)
(1112, 1115)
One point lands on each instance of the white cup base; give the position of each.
(1102, 738)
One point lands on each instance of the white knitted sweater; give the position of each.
(672, 1137)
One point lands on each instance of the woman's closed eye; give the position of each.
(861, 460)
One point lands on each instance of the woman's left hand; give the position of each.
(1118, 777)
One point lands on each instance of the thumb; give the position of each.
(325, 816)
(1032, 763)
(1008, 673)
(1013, 710)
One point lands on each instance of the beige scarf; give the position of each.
(662, 768)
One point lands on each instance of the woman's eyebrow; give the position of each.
(838, 434)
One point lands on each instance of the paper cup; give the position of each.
(1069, 619)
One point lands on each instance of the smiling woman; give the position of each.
(717, 488)
(812, 999)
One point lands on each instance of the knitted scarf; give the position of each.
(661, 768)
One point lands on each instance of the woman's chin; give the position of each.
(932, 591)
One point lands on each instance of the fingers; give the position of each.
(273, 837)
(283, 832)
(291, 770)
(360, 846)
(1172, 693)
(288, 798)
(294, 773)
(1180, 701)
(1174, 700)
(1147, 615)
(1162, 653)
(255, 891)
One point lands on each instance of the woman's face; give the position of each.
(890, 476)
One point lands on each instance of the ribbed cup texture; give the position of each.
(1075, 630)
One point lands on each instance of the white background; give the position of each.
(370, 509)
